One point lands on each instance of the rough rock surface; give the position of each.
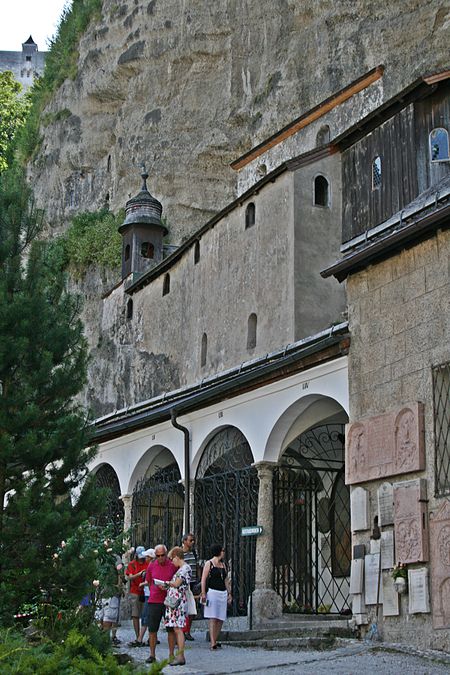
(188, 86)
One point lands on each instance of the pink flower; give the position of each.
(96, 583)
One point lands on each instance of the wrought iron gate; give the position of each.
(312, 538)
(106, 478)
(225, 500)
(157, 509)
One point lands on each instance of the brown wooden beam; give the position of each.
(307, 118)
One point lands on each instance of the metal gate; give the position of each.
(312, 537)
(157, 509)
(226, 499)
(106, 478)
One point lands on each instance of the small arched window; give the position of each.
(127, 252)
(323, 136)
(321, 191)
(251, 331)
(376, 173)
(130, 309)
(204, 350)
(196, 252)
(250, 215)
(147, 249)
(439, 150)
(166, 284)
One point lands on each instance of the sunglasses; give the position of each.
(160, 555)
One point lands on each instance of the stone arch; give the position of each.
(204, 442)
(156, 457)
(106, 478)
(298, 417)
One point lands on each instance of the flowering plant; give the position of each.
(400, 571)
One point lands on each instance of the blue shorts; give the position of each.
(144, 615)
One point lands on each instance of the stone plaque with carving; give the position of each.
(440, 565)
(359, 509)
(371, 574)
(385, 495)
(419, 597)
(357, 576)
(411, 521)
(385, 445)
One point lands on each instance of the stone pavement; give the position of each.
(352, 657)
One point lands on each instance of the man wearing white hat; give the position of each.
(149, 557)
(135, 573)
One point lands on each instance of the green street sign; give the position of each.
(251, 531)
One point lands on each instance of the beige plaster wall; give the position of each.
(399, 314)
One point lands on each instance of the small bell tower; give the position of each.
(142, 232)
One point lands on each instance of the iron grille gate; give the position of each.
(157, 509)
(312, 538)
(106, 478)
(223, 504)
(225, 500)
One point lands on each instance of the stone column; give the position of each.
(127, 502)
(267, 604)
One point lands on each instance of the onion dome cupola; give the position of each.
(142, 232)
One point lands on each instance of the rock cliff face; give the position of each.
(189, 85)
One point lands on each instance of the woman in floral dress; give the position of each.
(176, 618)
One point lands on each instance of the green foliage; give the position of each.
(77, 654)
(13, 112)
(60, 64)
(44, 434)
(91, 239)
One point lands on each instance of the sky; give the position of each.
(21, 18)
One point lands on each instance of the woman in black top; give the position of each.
(216, 592)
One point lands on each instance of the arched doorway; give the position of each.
(312, 536)
(225, 500)
(158, 504)
(106, 478)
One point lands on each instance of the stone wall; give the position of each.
(399, 314)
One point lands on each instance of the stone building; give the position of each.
(25, 65)
(261, 371)
(396, 263)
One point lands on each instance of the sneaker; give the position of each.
(116, 641)
(135, 643)
(188, 636)
(151, 659)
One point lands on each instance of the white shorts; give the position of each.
(216, 607)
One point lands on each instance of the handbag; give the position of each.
(173, 601)
(191, 604)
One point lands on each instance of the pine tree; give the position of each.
(44, 435)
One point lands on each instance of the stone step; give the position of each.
(308, 631)
(292, 643)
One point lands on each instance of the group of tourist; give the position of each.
(164, 587)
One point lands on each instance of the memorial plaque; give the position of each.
(358, 604)
(375, 545)
(357, 577)
(419, 597)
(385, 445)
(440, 565)
(387, 550)
(411, 521)
(359, 509)
(359, 551)
(385, 495)
(371, 570)
(390, 596)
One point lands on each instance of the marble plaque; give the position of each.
(385, 495)
(390, 596)
(359, 509)
(371, 570)
(385, 445)
(375, 545)
(411, 521)
(419, 597)
(357, 577)
(440, 565)
(358, 604)
(387, 550)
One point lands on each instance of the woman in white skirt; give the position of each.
(216, 593)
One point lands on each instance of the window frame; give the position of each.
(445, 159)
